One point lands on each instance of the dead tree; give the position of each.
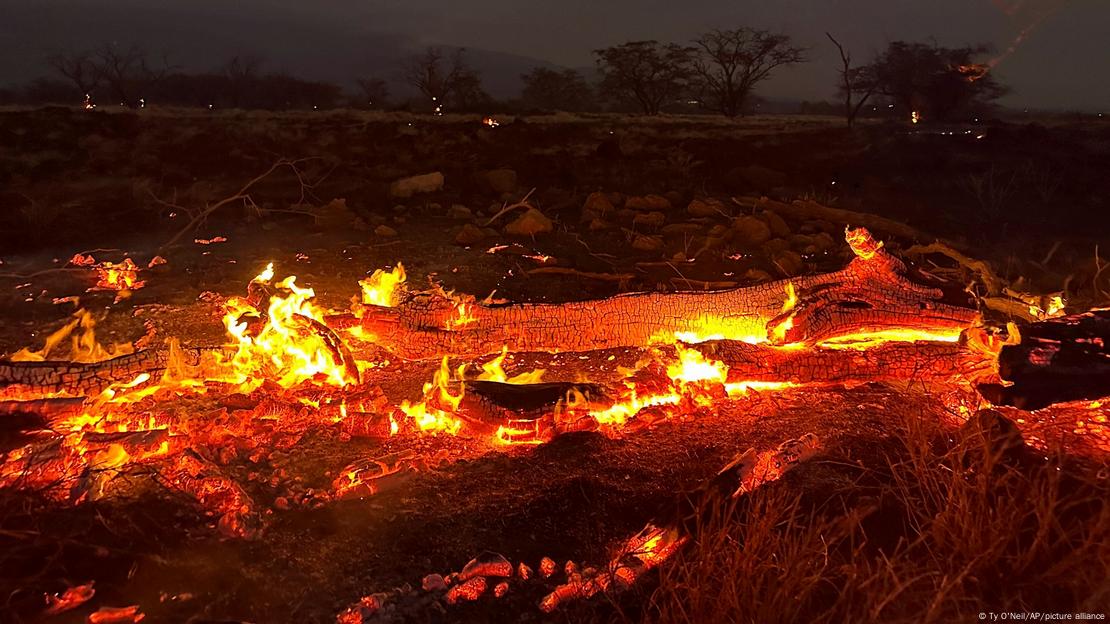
(853, 80)
(79, 68)
(128, 72)
(241, 73)
(375, 91)
(730, 63)
(440, 80)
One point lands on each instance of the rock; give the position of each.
(385, 231)
(774, 246)
(469, 234)
(599, 224)
(501, 180)
(530, 223)
(334, 215)
(789, 262)
(757, 275)
(756, 177)
(751, 231)
(674, 197)
(643, 242)
(434, 207)
(824, 242)
(647, 203)
(720, 231)
(800, 241)
(407, 187)
(777, 224)
(599, 204)
(433, 582)
(682, 228)
(650, 219)
(459, 211)
(706, 208)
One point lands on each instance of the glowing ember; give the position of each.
(72, 598)
(862, 243)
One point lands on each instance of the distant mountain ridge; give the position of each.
(199, 39)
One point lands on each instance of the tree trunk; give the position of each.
(872, 294)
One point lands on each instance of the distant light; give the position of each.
(142, 102)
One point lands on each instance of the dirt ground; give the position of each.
(1031, 198)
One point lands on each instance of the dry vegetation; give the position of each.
(937, 530)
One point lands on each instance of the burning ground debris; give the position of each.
(211, 424)
(492, 576)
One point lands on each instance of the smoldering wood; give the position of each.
(1057, 360)
(871, 294)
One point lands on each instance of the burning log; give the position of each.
(77, 378)
(1057, 360)
(939, 362)
(871, 296)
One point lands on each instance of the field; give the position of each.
(917, 506)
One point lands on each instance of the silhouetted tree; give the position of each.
(647, 73)
(857, 84)
(128, 72)
(937, 82)
(79, 68)
(564, 90)
(443, 81)
(375, 93)
(729, 63)
(242, 73)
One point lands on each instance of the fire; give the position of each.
(915, 117)
(862, 243)
(492, 371)
(691, 366)
(435, 412)
(490, 122)
(292, 344)
(84, 346)
(464, 316)
(383, 288)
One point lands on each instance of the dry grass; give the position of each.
(937, 530)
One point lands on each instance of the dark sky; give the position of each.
(1063, 63)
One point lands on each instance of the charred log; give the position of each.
(871, 295)
(1058, 360)
(75, 378)
(931, 362)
